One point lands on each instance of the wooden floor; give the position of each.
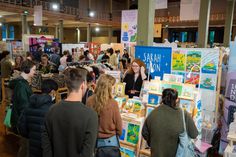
(8, 143)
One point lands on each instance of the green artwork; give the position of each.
(193, 61)
(178, 61)
(178, 88)
(133, 133)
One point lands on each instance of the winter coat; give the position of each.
(32, 121)
(20, 99)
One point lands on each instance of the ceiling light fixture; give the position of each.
(97, 29)
(91, 14)
(55, 6)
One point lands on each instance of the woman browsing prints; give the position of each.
(134, 78)
(110, 123)
(163, 126)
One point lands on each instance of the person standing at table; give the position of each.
(134, 78)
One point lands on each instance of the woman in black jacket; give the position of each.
(134, 78)
(32, 120)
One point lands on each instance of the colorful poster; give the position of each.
(186, 105)
(133, 133)
(178, 88)
(178, 60)
(125, 152)
(188, 91)
(193, 61)
(208, 81)
(153, 99)
(129, 26)
(156, 58)
(164, 86)
(210, 61)
(173, 78)
(179, 73)
(192, 78)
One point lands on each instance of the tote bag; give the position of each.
(7, 120)
(185, 147)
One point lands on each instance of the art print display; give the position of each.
(120, 89)
(164, 85)
(187, 105)
(126, 152)
(178, 88)
(193, 63)
(210, 61)
(179, 73)
(208, 81)
(188, 91)
(173, 78)
(133, 133)
(192, 78)
(178, 60)
(153, 99)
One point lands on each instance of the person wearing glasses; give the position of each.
(134, 78)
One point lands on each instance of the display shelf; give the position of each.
(181, 97)
(128, 144)
(146, 152)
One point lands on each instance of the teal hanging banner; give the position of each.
(157, 59)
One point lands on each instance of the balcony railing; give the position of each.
(47, 6)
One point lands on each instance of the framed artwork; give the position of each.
(120, 89)
(133, 133)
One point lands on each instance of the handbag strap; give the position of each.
(184, 120)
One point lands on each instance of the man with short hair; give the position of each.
(70, 126)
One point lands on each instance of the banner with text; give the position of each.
(156, 58)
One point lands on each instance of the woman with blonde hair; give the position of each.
(110, 123)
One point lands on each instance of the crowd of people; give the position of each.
(87, 122)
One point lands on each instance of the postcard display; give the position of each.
(192, 72)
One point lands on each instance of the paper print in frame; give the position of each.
(164, 85)
(133, 133)
(210, 61)
(153, 99)
(177, 87)
(126, 152)
(188, 91)
(179, 73)
(187, 105)
(178, 60)
(208, 81)
(193, 63)
(192, 78)
(173, 78)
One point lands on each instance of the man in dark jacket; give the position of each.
(20, 100)
(31, 122)
(70, 126)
